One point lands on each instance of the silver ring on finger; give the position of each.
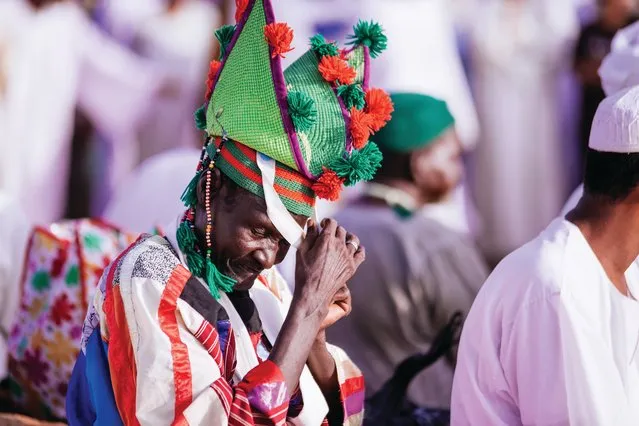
(354, 244)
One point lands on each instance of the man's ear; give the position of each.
(216, 185)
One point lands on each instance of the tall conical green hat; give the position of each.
(315, 118)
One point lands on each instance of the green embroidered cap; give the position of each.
(417, 121)
(315, 118)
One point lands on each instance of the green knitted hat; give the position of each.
(417, 121)
(315, 119)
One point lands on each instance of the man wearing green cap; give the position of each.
(198, 327)
(418, 272)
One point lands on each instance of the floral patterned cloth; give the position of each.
(62, 267)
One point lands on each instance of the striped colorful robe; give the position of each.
(157, 349)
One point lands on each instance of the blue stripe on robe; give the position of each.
(90, 399)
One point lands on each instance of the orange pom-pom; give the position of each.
(214, 68)
(328, 186)
(379, 106)
(240, 8)
(360, 128)
(334, 69)
(280, 36)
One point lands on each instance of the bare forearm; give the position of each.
(293, 346)
(322, 366)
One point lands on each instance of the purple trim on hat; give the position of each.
(348, 143)
(367, 68)
(367, 64)
(238, 30)
(282, 99)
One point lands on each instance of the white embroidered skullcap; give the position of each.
(615, 127)
(620, 68)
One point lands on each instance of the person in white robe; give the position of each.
(56, 60)
(619, 70)
(14, 233)
(179, 39)
(552, 336)
(518, 51)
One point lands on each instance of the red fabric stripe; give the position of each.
(229, 356)
(167, 315)
(293, 176)
(352, 386)
(249, 173)
(207, 335)
(120, 354)
(180, 421)
(293, 195)
(257, 178)
(266, 372)
(241, 413)
(250, 153)
(224, 392)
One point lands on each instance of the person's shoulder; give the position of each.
(535, 271)
(151, 257)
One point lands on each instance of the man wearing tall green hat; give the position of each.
(198, 327)
(418, 271)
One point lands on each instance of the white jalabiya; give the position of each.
(14, 233)
(181, 42)
(422, 56)
(620, 68)
(572, 200)
(550, 341)
(56, 61)
(518, 55)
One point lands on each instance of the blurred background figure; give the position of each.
(180, 40)
(518, 50)
(14, 232)
(150, 196)
(593, 45)
(418, 272)
(54, 58)
(422, 56)
(619, 70)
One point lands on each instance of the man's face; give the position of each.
(245, 240)
(438, 168)
(622, 6)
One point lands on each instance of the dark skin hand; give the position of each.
(246, 242)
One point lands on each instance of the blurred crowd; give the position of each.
(96, 126)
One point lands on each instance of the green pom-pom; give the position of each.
(217, 281)
(200, 117)
(189, 196)
(320, 46)
(187, 242)
(371, 34)
(353, 95)
(302, 110)
(199, 265)
(224, 35)
(359, 165)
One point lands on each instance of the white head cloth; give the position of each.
(615, 127)
(275, 209)
(620, 68)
